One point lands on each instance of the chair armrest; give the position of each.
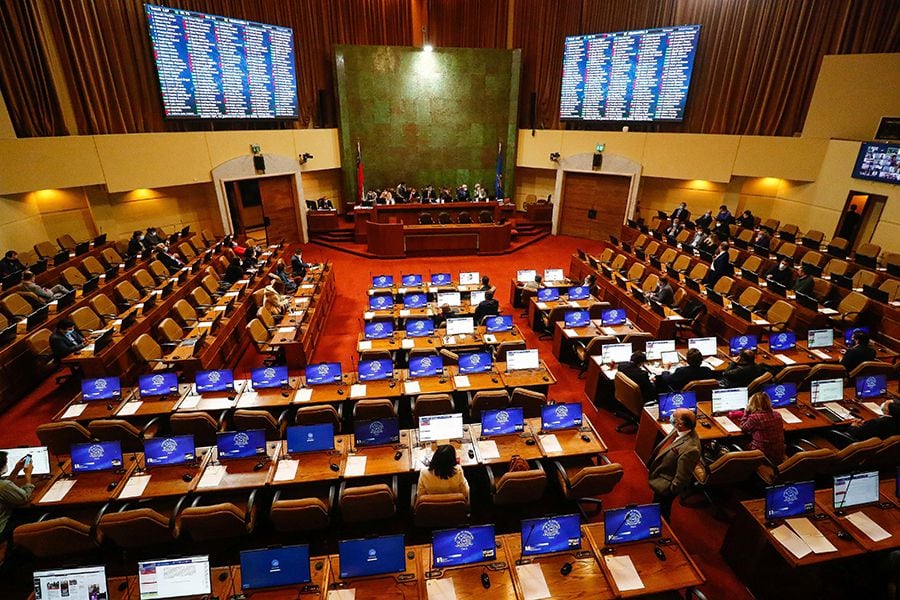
(251, 506)
(394, 487)
(276, 497)
(693, 593)
(179, 506)
(490, 476)
(413, 491)
(604, 459)
(562, 473)
(342, 488)
(222, 420)
(150, 424)
(196, 502)
(331, 493)
(539, 467)
(103, 510)
(807, 442)
(282, 417)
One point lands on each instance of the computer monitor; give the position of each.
(460, 326)
(411, 279)
(218, 380)
(40, 459)
(782, 394)
(613, 316)
(555, 417)
(381, 302)
(269, 377)
(101, 388)
(826, 390)
(382, 281)
(449, 298)
(372, 556)
(503, 421)
(378, 330)
(525, 275)
(323, 373)
(855, 489)
(848, 334)
(96, 456)
(655, 348)
(706, 345)
(454, 547)
(632, 524)
(518, 360)
(426, 366)
(275, 567)
(310, 438)
(441, 427)
(820, 338)
(172, 450)
(475, 362)
(469, 278)
(174, 578)
(419, 327)
(549, 294)
(241, 444)
(546, 535)
(579, 292)
(158, 384)
(476, 297)
(616, 353)
(871, 386)
(669, 403)
(376, 370)
(790, 500)
(729, 399)
(376, 432)
(743, 342)
(554, 275)
(499, 323)
(76, 583)
(415, 300)
(781, 342)
(441, 279)
(577, 318)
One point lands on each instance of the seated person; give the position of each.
(782, 273)
(724, 215)
(281, 274)
(806, 282)
(664, 294)
(10, 263)
(440, 320)
(859, 352)
(705, 220)
(532, 285)
(443, 475)
(324, 203)
(151, 239)
(298, 266)
(765, 428)
(479, 194)
(488, 306)
(11, 494)
(445, 196)
(746, 220)
(700, 236)
(634, 370)
(65, 339)
(675, 228)
(171, 260)
(741, 372)
(429, 195)
(681, 213)
(486, 283)
(45, 294)
(234, 272)
(589, 280)
(680, 377)
(762, 239)
(136, 243)
(462, 193)
(274, 298)
(881, 427)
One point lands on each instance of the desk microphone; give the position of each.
(140, 467)
(231, 591)
(523, 561)
(61, 464)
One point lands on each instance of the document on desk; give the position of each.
(828, 311)
(286, 470)
(839, 410)
(407, 343)
(440, 589)
(667, 428)
(135, 486)
(787, 416)
(727, 424)
(58, 490)
(714, 361)
(542, 305)
(368, 315)
(462, 381)
(550, 443)
(449, 340)
(357, 390)
(786, 359)
(813, 538)
(286, 330)
(874, 407)
(189, 402)
(303, 395)
(364, 345)
(608, 330)
(820, 354)
(129, 408)
(404, 312)
(760, 322)
(864, 523)
(791, 541)
(342, 594)
(356, 466)
(534, 586)
(212, 476)
(570, 332)
(623, 573)
(411, 387)
(73, 411)
(488, 449)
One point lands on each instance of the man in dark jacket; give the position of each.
(742, 372)
(782, 273)
(680, 377)
(681, 213)
(171, 261)
(705, 220)
(859, 352)
(10, 263)
(136, 243)
(721, 265)
(664, 294)
(806, 282)
(634, 371)
(488, 306)
(65, 339)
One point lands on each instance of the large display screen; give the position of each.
(640, 75)
(878, 162)
(214, 67)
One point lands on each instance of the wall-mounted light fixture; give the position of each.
(305, 158)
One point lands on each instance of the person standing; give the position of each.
(671, 465)
(850, 226)
(681, 213)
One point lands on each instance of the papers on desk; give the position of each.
(303, 395)
(608, 330)
(411, 387)
(488, 449)
(791, 541)
(135, 486)
(820, 354)
(727, 424)
(534, 586)
(574, 304)
(609, 371)
(874, 407)
(839, 410)
(461, 381)
(489, 338)
(828, 311)
(58, 490)
(542, 305)
(760, 322)
(787, 416)
(364, 345)
(869, 527)
(623, 573)
(308, 286)
(189, 402)
(667, 428)
(296, 313)
(129, 408)
(368, 315)
(813, 538)
(73, 411)
(449, 340)
(407, 343)
(404, 312)
(220, 308)
(286, 470)
(570, 332)
(550, 443)
(212, 476)
(713, 361)
(356, 466)
(785, 359)
(357, 390)
(440, 589)
(204, 324)
(342, 594)
(286, 330)
(89, 348)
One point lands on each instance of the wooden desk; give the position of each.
(322, 220)
(570, 440)
(319, 571)
(380, 586)
(422, 451)
(89, 488)
(467, 578)
(507, 446)
(538, 380)
(168, 481)
(538, 308)
(239, 473)
(489, 380)
(888, 488)
(886, 518)
(211, 401)
(475, 238)
(313, 466)
(84, 412)
(408, 214)
(564, 338)
(380, 461)
(437, 384)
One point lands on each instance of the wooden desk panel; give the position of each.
(886, 518)
(169, 481)
(380, 461)
(507, 446)
(316, 588)
(314, 467)
(380, 586)
(538, 379)
(467, 578)
(570, 440)
(90, 488)
(242, 473)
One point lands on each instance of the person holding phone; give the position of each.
(11, 495)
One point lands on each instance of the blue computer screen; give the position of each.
(743, 342)
(613, 316)
(548, 294)
(323, 373)
(502, 421)
(381, 302)
(632, 524)
(101, 388)
(499, 323)
(158, 384)
(274, 567)
(669, 403)
(425, 366)
(96, 456)
(577, 318)
(419, 327)
(214, 381)
(790, 500)
(374, 370)
(782, 394)
(440, 279)
(376, 432)
(452, 547)
(560, 416)
(848, 334)
(411, 279)
(310, 438)
(375, 556)
(871, 386)
(579, 292)
(378, 330)
(551, 534)
(173, 450)
(415, 300)
(241, 444)
(475, 362)
(269, 377)
(382, 281)
(779, 342)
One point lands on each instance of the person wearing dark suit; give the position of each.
(721, 266)
(447, 312)
(402, 191)
(298, 267)
(10, 263)
(681, 213)
(746, 220)
(151, 239)
(234, 272)
(806, 282)
(671, 465)
(488, 306)
(445, 196)
(324, 204)
(743, 371)
(675, 228)
(881, 427)
(694, 371)
(762, 239)
(428, 194)
(65, 339)
(462, 193)
(634, 370)
(172, 262)
(664, 294)
(859, 352)
(782, 273)
(724, 215)
(136, 243)
(705, 220)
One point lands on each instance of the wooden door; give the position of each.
(280, 210)
(583, 192)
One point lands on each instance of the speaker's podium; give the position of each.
(385, 240)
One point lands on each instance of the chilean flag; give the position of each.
(360, 178)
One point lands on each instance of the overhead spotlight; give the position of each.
(428, 48)
(305, 157)
(554, 156)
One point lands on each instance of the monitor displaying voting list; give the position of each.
(782, 342)
(381, 302)
(632, 524)
(449, 298)
(782, 394)
(77, 583)
(790, 500)
(554, 275)
(220, 380)
(555, 417)
(460, 326)
(101, 388)
(469, 278)
(433, 428)
(372, 556)
(729, 399)
(525, 275)
(475, 362)
(426, 366)
(96, 456)
(518, 360)
(740, 343)
(419, 327)
(503, 421)
(616, 353)
(551, 534)
(706, 346)
(269, 377)
(375, 370)
(613, 316)
(172, 450)
(382, 281)
(499, 323)
(376, 432)
(40, 459)
(158, 384)
(174, 578)
(826, 390)
(453, 547)
(241, 444)
(871, 386)
(310, 438)
(820, 338)
(275, 567)
(641, 75)
(411, 279)
(655, 348)
(855, 489)
(323, 373)
(577, 318)
(378, 330)
(669, 403)
(548, 294)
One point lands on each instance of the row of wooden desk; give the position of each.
(395, 240)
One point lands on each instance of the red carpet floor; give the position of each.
(696, 528)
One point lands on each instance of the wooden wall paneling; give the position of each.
(607, 194)
(279, 199)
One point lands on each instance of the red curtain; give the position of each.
(468, 23)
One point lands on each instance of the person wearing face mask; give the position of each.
(705, 220)
(671, 465)
(806, 282)
(681, 213)
(136, 243)
(782, 273)
(65, 339)
(762, 239)
(664, 294)
(859, 352)
(721, 266)
(635, 371)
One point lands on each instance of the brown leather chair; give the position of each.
(584, 482)
(187, 251)
(629, 396)
(427, 405)
(887, 456)
(635, 272)
(594, 347)
(425, 218)
(434, 511)
(727, 471)
(724, 286)
(222, 520)
(779, 316)
(702, 388)
(530, 401)
(849, 310)
(855, 456)
(66, 242)
(103, 306)
(487, 400)
(169, 333)
(682, 264)
(375, 408)
(668, 256)
(757, 384)
(147, 350)
(15, 306)
(296, 511)
(872, 367)
(185, 313)
(159, 270)
(200, 299)
(59, 437)
(201, 425)
(140, 526)
(46, 249)
(73, 278)
(548, 321)
(649, 283)
(806, 464)
(368, 502)
(323, 413)
(752, 263)
(504, 347)
(53, 537)
(813, 238)
(144, 280)
(824, 371)
(245, 419)
(86, 319)
(131, 438)
(835, 266)
(750, 298)
(595, 310)
(259, 337)
(92, 267)
(638, 339)
(863, 277)
(789, 231)
(699, 272)
(867, 254)
(208, 237)
(792, 374)
(111, 257)
(126, 293)
(518, 487)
